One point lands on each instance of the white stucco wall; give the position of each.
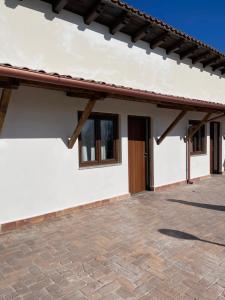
(39, 174)
(35, 37)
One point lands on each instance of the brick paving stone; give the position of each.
(135, 249)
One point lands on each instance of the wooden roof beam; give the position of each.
(120, 23)
(218, 66)
(158, 40)
(171, 126)
(9, 83)
(94, 12)
(188, 52)
(141, 33)
(200, 57)
(58, 5)
(4, 102)
(194, 129)
(210, 61)
(175, 46)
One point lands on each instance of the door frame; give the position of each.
(149, 175)
(219, 147)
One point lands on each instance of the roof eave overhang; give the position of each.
(53, 80)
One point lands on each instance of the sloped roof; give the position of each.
(119, 16)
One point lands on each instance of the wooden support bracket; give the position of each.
(4, 102)
(85, 115)
(171, 126)
(59, 5)
(194, 129)
(216, 117)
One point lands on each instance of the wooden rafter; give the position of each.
(218, 66)
(141, 33)
(188, 52)
(94, 12)
(120, 23)
(210, 61)
(158, 40)
(58, 5)
(171, 126)
(194, 129)
(200, 57)
(85, 115)
(4, 102)
(175, 46)
(9, 83)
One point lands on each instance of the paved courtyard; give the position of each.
(164, 245)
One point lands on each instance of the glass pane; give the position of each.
(107, 139)
(88, 152)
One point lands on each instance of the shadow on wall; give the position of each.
(185, 236)
(67, 16)
(197, 204)
(35, 113)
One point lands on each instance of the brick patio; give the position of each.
(164, 245)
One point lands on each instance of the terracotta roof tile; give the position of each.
(165, 25)
(101, 83)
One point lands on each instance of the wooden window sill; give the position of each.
(100, 166)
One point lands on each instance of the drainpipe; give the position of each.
(188, 163)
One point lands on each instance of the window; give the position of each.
(98, 141)
(198, 141)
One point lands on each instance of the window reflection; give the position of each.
(88, 141)
(107, 137)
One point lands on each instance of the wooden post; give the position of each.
(194, 129)
(4, 102)
(171, 126)
(85, 115)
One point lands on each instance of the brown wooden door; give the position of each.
(215, 148)
(137, 153)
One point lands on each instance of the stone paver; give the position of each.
(163, 245)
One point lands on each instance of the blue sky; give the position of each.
(202, 19)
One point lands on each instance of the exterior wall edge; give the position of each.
(38, 219)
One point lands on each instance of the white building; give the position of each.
(128, 77)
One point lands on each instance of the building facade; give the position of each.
(129, 96)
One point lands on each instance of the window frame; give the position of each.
(97, 117)
(204, 138)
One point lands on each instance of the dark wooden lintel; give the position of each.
(171, 126)
(188, 52)
(158, 40)
(120, 23)
(94, 12)
(175, 46)
(141, 33)
(4, 102)
(200, 57)
(58, 5)
(86, 94)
